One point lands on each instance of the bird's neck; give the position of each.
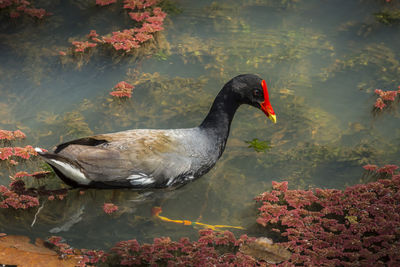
(218, 121)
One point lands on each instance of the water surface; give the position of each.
(321, 59)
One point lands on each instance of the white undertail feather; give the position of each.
(70, 171)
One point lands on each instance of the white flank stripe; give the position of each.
(71, 172)
(134, 176)
(140, 180)
(38, 150)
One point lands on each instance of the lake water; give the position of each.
(322, 61)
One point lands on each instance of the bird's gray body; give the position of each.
(140, 158)
(155, 158)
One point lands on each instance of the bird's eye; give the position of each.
(257, 93)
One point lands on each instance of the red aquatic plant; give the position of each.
(16, 195)
(385, 98)
(211, 249)
(358, 226)
(122, 90)
(86, 257)
(370, 167)
(139, 16)
(11, 135)
(110, 208)
(6, 135)
(9, 198)
(37, 175)
(379, 103)
(82, 46)
(18, 7)
(19, 135)
(6, 153)
(139, 4)
(148, 20)
(122, 40)
(25, 152)
(105, 2)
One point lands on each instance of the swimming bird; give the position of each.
(157, 158)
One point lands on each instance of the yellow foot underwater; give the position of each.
(157, 210)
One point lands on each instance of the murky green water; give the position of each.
(321, 59)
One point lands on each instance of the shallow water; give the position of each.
(321, 60)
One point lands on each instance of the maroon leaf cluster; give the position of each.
(358, 226)
(11, 135)
(110, 208)
(17, 195)
(385, 98)
(105, 2)
(9, 198)
(16, 8)
(122, 90)
(26, 152)
(86, 257)
(11, 154)
(147, 17)
(212, 249)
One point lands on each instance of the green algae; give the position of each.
(388, 17)
(259, 146)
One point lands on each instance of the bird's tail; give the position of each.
(68, 170)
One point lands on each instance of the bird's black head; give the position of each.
(252, 90)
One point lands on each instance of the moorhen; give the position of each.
(147, 158)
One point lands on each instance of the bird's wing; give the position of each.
(143, 157)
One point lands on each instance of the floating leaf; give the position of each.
(259, 146)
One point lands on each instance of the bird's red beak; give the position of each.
(266, 105)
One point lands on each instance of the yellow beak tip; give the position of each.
(272, 118)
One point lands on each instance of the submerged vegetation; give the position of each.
(322, 80)
(259, 146)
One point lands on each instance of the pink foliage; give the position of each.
(122, 89)
(122, 40)
(379, 103)
(11, 135)
(143, 37)
(18, 7)
(110, 208)
(87, 257)
(16, 201)
(139, 16)
(82, 46)
(6, 153)
(370, 167)
(19, 135)
(357, 226)
(36, 12)
(105, 2)
(6, 135)
(283, 186)
(204, 252)
(385, 97)
(16, 195)
(149, 19)
(24, 152)
(37, 175)
(92, 34)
